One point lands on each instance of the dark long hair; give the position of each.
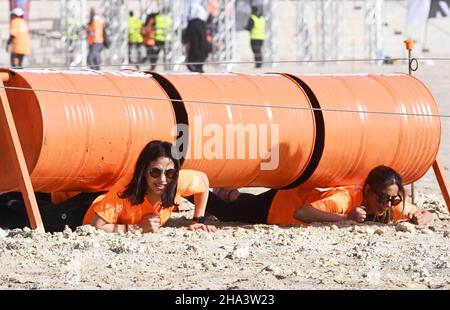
(149, 17)
(378, 180)
(135, 191)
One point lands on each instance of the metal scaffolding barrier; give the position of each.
(335, 46)
(173, 48)
(147, 7)
(73, 36)
(318, 27)
(116, 21)
(373, 26)
(304, 10)
(324, 19)
(271, 41)
(323, 10)
(172, 53)
(224, 35)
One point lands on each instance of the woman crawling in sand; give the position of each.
(380, 199)
(143, 204)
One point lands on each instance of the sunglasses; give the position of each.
(384, 199)
(169, 173)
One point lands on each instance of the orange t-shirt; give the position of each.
(340, 200)
(117, 210)
(21, 42)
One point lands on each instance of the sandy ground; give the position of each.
(238, 256)
(344, 256)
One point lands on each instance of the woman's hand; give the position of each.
(150, 222)
(420, 217)
(200, 200)
(358, 214)
(201, 226)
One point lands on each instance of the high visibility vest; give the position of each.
(95, 31)
(134, 30)
(258, 30)
(71, 30)
(21, 42)
(163, 26)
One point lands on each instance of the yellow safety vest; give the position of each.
(258, 30)
(134, 30)
(163, 26)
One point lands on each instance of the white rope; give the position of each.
(255, 105)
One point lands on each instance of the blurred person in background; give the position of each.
(162, 34)
(95, 37)
(135, 39)
(256, 25)
(19, 38)
(194, 36)
(148, 32)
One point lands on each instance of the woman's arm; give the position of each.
(309, 214)
(149, 223)
(101, 224)
(200, 201)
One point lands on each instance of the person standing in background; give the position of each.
(194, 33)
(134, 39)
(256, 25)
(19, 38)
(163, 34)
(95, 33)
(148, 32)
(212, 23)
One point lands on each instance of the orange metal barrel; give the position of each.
(354, 143)
(214, 127)
(75, 141)
(242, 130)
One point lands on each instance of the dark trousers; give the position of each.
(94, 58)
(134, 53)
(197, 44)
(153, 53)
(54, 216)
(195, 68)
(257, 51)
(17, 60)
(248, 208)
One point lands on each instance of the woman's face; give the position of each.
(159, 174)
(379, 201)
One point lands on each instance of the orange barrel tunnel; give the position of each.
(244, 129)
(371, 120)
(82, 130)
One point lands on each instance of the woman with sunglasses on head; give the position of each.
(380, 199)
(146, 202)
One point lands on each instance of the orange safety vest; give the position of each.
(95, 31)
(21, 41)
